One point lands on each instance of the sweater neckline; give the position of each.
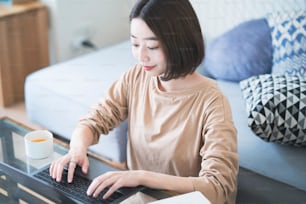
(195, 89)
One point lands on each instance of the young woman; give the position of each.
(181, 134)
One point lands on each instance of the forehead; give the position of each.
(140, 30)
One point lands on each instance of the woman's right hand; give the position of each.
(75, 156)
(81, 139)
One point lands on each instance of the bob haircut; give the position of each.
(176, 26)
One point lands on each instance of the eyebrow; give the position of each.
(148, 38)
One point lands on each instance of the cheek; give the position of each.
(134, 53)
(161, 58)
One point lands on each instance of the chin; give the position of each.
(151, 74)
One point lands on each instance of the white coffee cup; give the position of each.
(38, 144)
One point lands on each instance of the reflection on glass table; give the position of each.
(12, 147)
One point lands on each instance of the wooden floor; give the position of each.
(17, 112)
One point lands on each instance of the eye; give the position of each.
(135, 45)
(153, 48)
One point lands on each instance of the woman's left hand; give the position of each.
(114, 180)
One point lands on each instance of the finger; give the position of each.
(71, 169)
(59, 169)
(92, 187)
(108, 182)
(58, 173)
(85, 166)
(96, 183)
(51, 169)
(111, 190)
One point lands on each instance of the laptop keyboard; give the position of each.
(77, 189)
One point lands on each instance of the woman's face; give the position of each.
(146, 48)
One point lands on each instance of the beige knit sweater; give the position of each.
(188, 133)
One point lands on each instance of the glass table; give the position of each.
(12, 148)
(13, 188)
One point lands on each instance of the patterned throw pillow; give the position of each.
(276, 107)
(288, 32)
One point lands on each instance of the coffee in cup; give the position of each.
(38, 144)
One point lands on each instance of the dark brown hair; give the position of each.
(175, 24)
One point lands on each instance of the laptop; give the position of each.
(64, 192)
(192, 197)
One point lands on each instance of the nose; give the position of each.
(143, 54)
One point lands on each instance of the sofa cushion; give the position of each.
(243, 51)
(288, 32)
(276, 107)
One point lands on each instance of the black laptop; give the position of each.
(64, 192)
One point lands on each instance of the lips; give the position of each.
(148, 68)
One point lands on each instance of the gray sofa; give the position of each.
(57, 96)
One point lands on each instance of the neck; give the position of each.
(180, 84)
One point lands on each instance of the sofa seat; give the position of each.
(56, 97)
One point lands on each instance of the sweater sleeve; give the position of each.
(219, 168)
(110, 110)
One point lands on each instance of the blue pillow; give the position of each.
(242, 52)
(288, 32)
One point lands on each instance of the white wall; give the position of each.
(104, 22)
(218, 16)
